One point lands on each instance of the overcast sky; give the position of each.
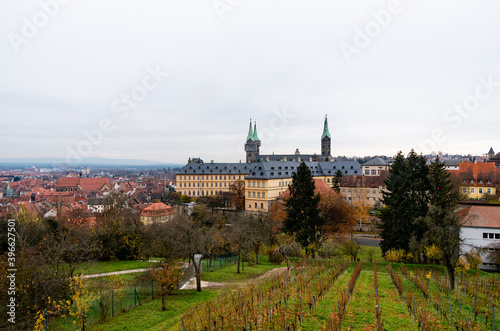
(168, 80)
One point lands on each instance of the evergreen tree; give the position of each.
(444, 232)
(406, 200)
(443, 193)
(443, 225)
(302, 208)
(336, 181)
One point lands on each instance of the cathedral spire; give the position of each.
(326, 132)
(255, 136)
(250, 133)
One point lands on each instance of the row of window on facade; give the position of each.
(373, 172)
(261, 206)
(203, 184)
(253, 184)
(252, 195)
(211, 177)
(479, 181)
(367, 198)
(202, 194)
(487, 235)
(360, 190)
(473, 190)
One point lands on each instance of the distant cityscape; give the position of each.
(39, 188)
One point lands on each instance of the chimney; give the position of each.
(267, 158)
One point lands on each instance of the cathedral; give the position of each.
(252, 148)
(265, 176)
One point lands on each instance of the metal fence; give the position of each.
(107, 305)
(217, 263)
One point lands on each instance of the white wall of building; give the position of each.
(473, 238)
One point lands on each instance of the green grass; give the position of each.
(149, 316)
(376, 254)
(127, 279)
(393, 312)
(111, 266)
(360, 313)
(327, 305)
(229, 274)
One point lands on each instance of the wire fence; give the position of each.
(108, 304)
(217, 263)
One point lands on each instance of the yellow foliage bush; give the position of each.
(433, 253)
(474, 260)
(462, 265)
(395, 255)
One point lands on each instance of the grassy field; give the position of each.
(111, 266)
(360, 311)
(150, 317)
(228, 273)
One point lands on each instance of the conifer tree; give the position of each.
(302, 208)
(406, 200)
(336, 181)
(443, 193)
(442, 223)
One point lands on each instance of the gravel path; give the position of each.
(191, 284)
(131, 271)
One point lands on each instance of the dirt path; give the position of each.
(132, 271)
(191, 284)
(123, 272)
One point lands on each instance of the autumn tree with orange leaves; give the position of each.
(238, 194)
(166, 275)
(339, 217)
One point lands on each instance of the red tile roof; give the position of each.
(85, 184)
(481, 216)
(320, 187)
(158, 206)
(364, 181)
(482, 170)
(94, 184)
(157, 209)
(68, 182)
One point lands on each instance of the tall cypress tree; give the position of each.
(302, 208)
(406, 200)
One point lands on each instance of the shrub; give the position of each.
(474, 260)
(395, 255)
(433, 253)
(275, 256)
(462, 265)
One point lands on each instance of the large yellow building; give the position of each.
(264, 181)
(198, 179)
(265, 176)
(269, 179)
